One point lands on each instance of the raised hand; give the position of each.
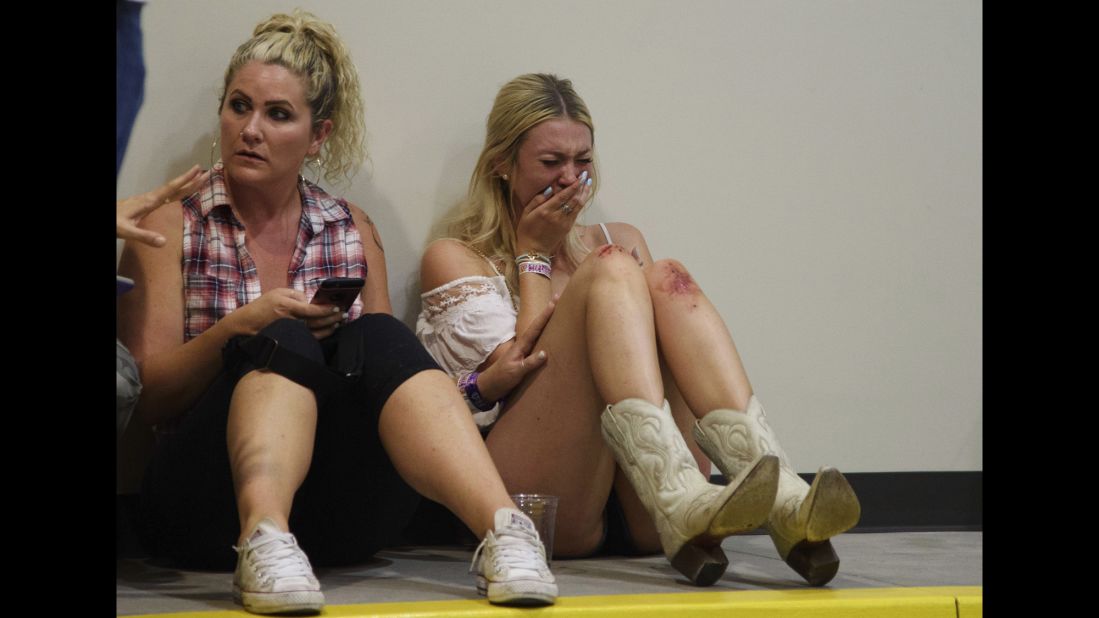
(548, 217)
(131, 210)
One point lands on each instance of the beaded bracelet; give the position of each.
(467, 386)
(538, 268)
(531, 256)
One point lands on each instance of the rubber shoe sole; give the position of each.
(519, 592)
(294, 602)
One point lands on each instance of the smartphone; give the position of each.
(339, 291)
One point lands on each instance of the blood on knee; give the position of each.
(674, 280)
(609, 249)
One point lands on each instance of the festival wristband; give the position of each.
(467, 386)
(537, 268)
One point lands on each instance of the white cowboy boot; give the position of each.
(691, 515)
(804, 517)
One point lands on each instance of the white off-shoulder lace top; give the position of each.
(461, 322)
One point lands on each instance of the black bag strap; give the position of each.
(266, 353)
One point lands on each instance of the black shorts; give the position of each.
(616, 532)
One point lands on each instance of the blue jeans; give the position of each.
(129, 73)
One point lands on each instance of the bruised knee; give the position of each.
(671, 278)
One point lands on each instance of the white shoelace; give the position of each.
(516, 548)
(280, 557)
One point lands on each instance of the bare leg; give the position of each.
(424, 426)
(694, 339)
(684, 419)
(431, 439)
(272, 423)
(715, 381)
(601, 349)
(695, 343)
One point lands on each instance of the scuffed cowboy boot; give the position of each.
(804, 516)
(691, 515)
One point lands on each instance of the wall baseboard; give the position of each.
(891, 502)
(914, 501)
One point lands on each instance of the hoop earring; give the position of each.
(315, 165)
(213, 147)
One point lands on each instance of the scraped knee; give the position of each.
(670, 277)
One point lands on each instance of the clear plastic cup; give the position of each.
(542, 510)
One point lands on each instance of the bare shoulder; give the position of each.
(137, 256)
(365, 225)
(168, 218)
(625, 234)
(621, 234)
(447, 259)
(359, 215)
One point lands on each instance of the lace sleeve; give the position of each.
(463, 321)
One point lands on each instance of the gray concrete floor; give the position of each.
(868, 560)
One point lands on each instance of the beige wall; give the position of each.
(815, 163)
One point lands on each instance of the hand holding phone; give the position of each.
(339, 291)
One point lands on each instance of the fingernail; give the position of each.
(541, 354)
(589, 182)
(583, 176)
(345, 315)
(335, 309)
(547, 192)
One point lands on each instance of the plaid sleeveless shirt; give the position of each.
(220, 276)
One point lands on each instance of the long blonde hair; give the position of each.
(312, 50)
(484, 219)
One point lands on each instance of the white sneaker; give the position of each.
(273, 574)
(510, 564)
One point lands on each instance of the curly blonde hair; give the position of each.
(484, 219)
(312, 50)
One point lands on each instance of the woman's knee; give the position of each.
(384, 338)
(385, 353)
(669, 277)
(295, 349)
(611, 263)
(295, 335)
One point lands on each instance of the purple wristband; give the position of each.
(536, 267)
(467, 385)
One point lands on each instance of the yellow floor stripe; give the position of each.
(970, 605)
(928, 602)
